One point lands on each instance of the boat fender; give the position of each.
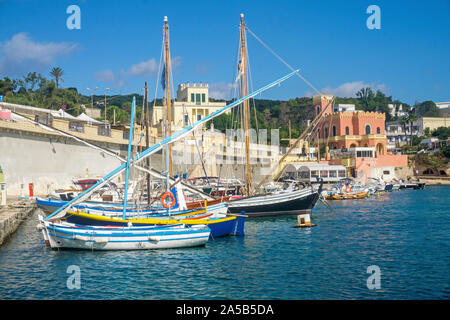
(348, 189)
(82, 238)
(101, 240)
(166, 195)
(154, 238)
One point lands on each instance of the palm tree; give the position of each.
(57, 73)
(404, 121)
(411, 118)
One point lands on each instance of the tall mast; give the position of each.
(127, 167)
(244, 92)
(147, 140)
(167, 83)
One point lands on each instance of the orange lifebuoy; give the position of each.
(348, 189)
(166, 195)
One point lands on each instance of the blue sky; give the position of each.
(119, 45)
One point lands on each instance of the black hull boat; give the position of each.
(276, 204)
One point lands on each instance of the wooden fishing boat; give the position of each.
(348, 196)
(67, 235)
(283, 203)
(220, 226)
(213, 216)
(49, 205)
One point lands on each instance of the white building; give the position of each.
(343, 107)
(398, 135)
(396, 110)
(310, 172)
(442, 105)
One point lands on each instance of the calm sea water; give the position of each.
(405, 233)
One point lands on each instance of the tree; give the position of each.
(57, 73)
(446, 151)
(404, 122)
(427, 109)
(442, 133)
(7, 86)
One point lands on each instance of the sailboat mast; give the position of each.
(244, 92)
(127, 167)
(147, 140)
(167, 83)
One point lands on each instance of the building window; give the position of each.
(192, 97)
(386, 172)
(76, 126)
(186, 119)
(199, 117)
(326, 132)
(104, 130)
(334, 131)
(364, 154)
(367, 129)
(378, 130)
(347, 131)
(318, 109)
(203, 97)
(197, 98)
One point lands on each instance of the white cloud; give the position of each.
(349, 89)
(176, 62)
(21, 53)
(222, 90)
(105, 76)
(145, 68)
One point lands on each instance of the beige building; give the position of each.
(432, 123)
(191, 105)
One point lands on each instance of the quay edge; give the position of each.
(12, 215)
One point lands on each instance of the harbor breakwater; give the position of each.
(12, 215)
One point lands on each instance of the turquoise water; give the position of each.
(405, 233)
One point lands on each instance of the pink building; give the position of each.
(361, 132)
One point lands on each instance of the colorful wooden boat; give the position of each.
(67, 235)
(348, 196)
(220, 225)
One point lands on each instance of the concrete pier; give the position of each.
(12, 215)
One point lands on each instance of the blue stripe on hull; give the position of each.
(218, 229)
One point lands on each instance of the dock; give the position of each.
(12, 215)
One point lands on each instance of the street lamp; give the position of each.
(106, 89)
(92, 96)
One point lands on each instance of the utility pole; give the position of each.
(106, 89)
(289, 133)
(92, 96)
